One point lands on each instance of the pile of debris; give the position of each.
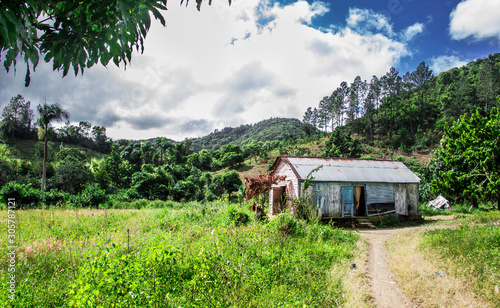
(440, 203)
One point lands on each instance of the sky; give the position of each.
(257, 59)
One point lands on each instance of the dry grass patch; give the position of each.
(355, 281)
(426, 280)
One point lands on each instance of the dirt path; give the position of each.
(385, 292)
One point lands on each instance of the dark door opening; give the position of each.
(279, 199)
(359, 201)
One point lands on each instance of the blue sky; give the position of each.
(436, 39)
(256, 59)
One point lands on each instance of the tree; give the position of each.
(101, 141)
(16, 118)
(48, 113)
(72, 174)
(356, 98)
(466, 163)
(162, 144)
(370, 106)
(76, 33)
(307, 116)
(420, 77)
(231, 158)
(309, 122)
(340, 144)
(258, 186)
(391, 85)
(114, 171)
(488, 79)
(225, 183)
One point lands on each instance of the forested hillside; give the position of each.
(410, 111)
(267, 130)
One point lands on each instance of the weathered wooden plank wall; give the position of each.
(401, 202)
(379, 193)
(406, 198)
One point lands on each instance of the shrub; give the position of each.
(54, 196)
(286, 224)
(237, 217)
(24, 194)
(92, 195)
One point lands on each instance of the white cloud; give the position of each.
(444, 63)
(478, 19)
(226, 65)
(368, 21)
(410, 32)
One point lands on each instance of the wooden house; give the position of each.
(344, 187)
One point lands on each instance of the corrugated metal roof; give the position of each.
(351, 170)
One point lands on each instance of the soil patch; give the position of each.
(384, 290)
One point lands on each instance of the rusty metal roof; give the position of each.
(350, 170)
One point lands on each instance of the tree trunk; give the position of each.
(44, 172)
(474, 204)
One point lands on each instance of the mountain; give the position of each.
(266, 130)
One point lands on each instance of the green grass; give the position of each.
(475, 249)
(184, 254)
(456, 209)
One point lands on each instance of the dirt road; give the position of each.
(384, 290)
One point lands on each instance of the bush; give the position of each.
(428, 211)
(24, 194)
(54, 196)
(286, 224)
(237, 217)
(390, 221)
(91, 195)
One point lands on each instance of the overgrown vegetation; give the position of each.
(184, 254)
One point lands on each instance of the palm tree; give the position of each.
(48, 113)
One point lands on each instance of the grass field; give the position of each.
(474, 251)
(182, 255)
(454, 263)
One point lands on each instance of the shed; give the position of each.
(345, 187)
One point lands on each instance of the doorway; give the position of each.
(359, 201)
(279, 199)
(353, 201)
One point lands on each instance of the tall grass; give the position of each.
(189, 255)
(475, 249)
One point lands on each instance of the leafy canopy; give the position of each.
(74, 33)
(466, 163)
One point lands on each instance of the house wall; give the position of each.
(291, 183)
(328, 199)
(406, 198)
(379, 193)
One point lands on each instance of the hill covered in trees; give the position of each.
(409, 112)
(267, 130)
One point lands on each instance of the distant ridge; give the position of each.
(266, 130)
